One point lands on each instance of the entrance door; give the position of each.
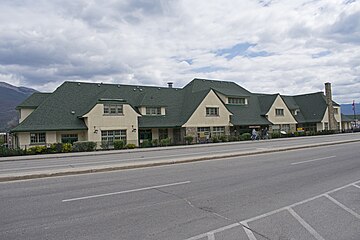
(145, 134)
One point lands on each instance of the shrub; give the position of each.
(66, 147)
(56, 147)
(37, 149)
(165, 142)
(189, 139)
(245, 136)
(105, 145)
(84, 146)
(233, 138)
(119, 144)
(223, 138)
(146, 143)
(275, 135)
(4, 151)
(155, 142)
(215, 139)
(130, 146)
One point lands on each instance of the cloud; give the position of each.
(290, 47)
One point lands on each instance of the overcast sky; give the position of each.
(279, 46)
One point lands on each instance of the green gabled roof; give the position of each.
(224, 87)
(312, 107)
(34, 100)
(266, 101)
(249, 114)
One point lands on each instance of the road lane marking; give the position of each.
(126, 191)
(214, 231)
(245, 222)
(349, 210)
(313, 160)
(116, 161)
(248, 232)
(211, 236)
(356, 185)
(305, 224)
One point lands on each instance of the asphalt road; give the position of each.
(63, 161)
(300, 194)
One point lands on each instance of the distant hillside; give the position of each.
(10, 97)
(347, 109)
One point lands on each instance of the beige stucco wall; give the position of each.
(199, 118)
(286, 119)
(24, 113)
(96, 121)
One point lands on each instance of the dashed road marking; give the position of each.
(313, 160)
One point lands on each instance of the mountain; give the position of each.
(10, 97)
(346, 109)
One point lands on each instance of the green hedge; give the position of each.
(84, 146)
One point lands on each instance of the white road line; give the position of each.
(211, 236)
(343, 206)
(245, 222)
(248, 232)
(214, 231)
(313, 160)
(356, 185)
(305, 224)
(126, 191)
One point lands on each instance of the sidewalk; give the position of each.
(71, 170)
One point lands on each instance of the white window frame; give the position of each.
(279, 112)
(113, 109)
(37, 138)
(218, 131)
(113, 135)
(237, 101)
(212, 111)
(153, 111)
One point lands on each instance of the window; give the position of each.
(113, 135)
(237, 101)
(113, 109)
(153, 111)
(279, 112)
(163, 133)
(218, 131)
(212, 111)
(69, 138)
(37, 138)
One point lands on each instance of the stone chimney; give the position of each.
(329, 102)
(170, 84)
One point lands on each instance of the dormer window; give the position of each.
(153, 111)
(237, 101)
(113, 109)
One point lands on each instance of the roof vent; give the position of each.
(118, 85)
(134, 89)
(141, 90)
(99, 84)
(170, 84)
(79, 84)
(72, 112)
(159, 88)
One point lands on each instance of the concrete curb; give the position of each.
(154, 149)
(164, 162)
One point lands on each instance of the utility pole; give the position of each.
(353, 107)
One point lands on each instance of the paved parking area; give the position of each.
(333, 215)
